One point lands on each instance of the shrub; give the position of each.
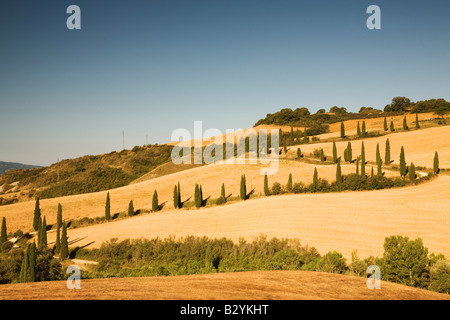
(276, 188)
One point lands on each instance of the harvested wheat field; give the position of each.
(257, 285)
(419, 145)
(211, 177)
(331, 221)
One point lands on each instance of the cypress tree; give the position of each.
(39, 234)
(200, 191)
(197, 196)
(358, 131)
(417, 121)
(222, 192)
(284, 146)
(436, 163)
(405, 124)
(37, 215)
(108, 208)
(179, 196)
(379, 161)
(412, 172)
(335, 157)
(43, 243)
(315, 177)
(266, 185)
(338, 173)
(3, 234)
(342, 130)
(64, 252)
(243, 189)
(371, 172)
(363, 160)
(357, 166)
(387, 154)
(346, 155)
(305, 137)
(155, 201)
(289, 184)
(292, 136)
(25, 266)
(130, 209)
(402, 162)
(299, 153)
(28, 268)
(58, 229)
(392, 126)
(322, 155)
(363, 130)
(385, 124)
(175, 197)
(349, 152)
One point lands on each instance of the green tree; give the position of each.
(379, 161)
(175, 196)
(58, 229)
(179, 195)
(402, 162)
(363, 129)
(342, 130)
(371, 172)
(405, 124)
(346, 155)
(243, 188)
(338, 173)
(130, 209)
(332, 262)
(108, 208)
(357, 166)
(392, 126)
(405, 261)
(417, 121)
(155, 202)
(305, 137)
(3, 234)
(266, 185)
(64, 252)
(25, 266)
(440, 276)
(289, 183)
(387, 154)
(222, 192)
(28, 268)
(363, 160)
(315, 177)
(322, 155)
(37, 215)
(385, 124)
(436, 163)
(349, 152)
(412, 172)
(299, 153)
(358, 131)
(335, 157)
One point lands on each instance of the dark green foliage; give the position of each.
(379, 161)
(357, 166)
(440, 276)
(243, 188)
(392, 126)
(299, 153)
(335, 157)
(332, 262)
(322, 155)
(371, 172)
(108, 208)
(197, 196)
(385, 124)
(387, 155)
(58, 229)
(417, 121)
(402, 163)
(405, 124)
(266, 185)
(3, 234)
(412, 172)
(363, 160)
(155, 202)
(179, 196)
(276, 189)
(315, 177)
(175, 196)
(436, 163)
(405, 261)
(37, 215)
(349, 152)
(222, 192)
(130, 209)
(28, 268)
(342, 130)
(338, 173)
(358, 131)
(363, 129)
(64, 252)
(43, 235)
(289, 183)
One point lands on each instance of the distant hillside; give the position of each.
(7, 166)
(88, 173)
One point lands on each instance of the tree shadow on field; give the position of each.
(183, 202)
(247, 196)
(73, 252)
(161, 206)
(204, 201)
(228, 196)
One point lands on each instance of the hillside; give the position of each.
(259, 285)
(331, 221)
(7, 166)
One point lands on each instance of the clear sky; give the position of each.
(149, 67)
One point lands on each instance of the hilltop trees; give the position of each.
(402, 163)
(436, 163)
(37, 215)
(108, 208)
(155, 203)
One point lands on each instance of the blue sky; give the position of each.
(149, 67)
